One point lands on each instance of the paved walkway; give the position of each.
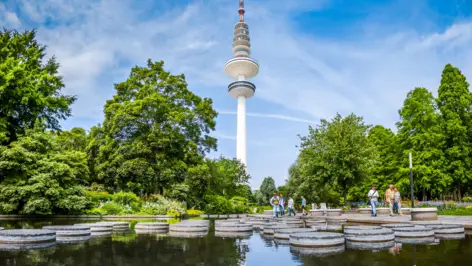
(382, 219)
(386, 219)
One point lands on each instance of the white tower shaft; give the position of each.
(241, 128)
(241, 68)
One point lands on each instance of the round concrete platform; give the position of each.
(25, 239)
(379, 235)
(413, 232)
(188, 227)
(284, 233)
(316, 239)
(153, 227)
(400, 225)
(119, 226)
(447, 228)
(98, 227)
(187, 234)
(70, 233)
(233, 227)
(357, 228)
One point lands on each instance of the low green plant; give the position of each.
(239, 205)
(126, 198)
(467, 199)
(96, 211)
(173, 213)
(112, 208)
(217, 205)
(192, 212)
(261, 209)
(96, 198)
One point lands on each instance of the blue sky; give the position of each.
(317, 57)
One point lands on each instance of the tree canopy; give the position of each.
(29, 87)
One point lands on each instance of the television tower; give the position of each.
(241, 68)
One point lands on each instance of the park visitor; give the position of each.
(373, 195)
(274, 201)
(290, 207)
(303, 206)
(397, 201)
(281, 204)
(390, 197)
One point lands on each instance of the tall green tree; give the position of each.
(155, 129)
(455, 103)
(75, 139)
(30, 88)
(385, 167)
(40, 177)
(419, 132)
(338, 153)
(267, 189)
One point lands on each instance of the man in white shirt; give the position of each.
(373, 196)
(290, 207)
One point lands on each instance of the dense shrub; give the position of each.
(96, 198)
(239, 204)
(112, 208)
(217, 205)
(467, 199)
(126, 198)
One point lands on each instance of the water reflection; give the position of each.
(129, 248)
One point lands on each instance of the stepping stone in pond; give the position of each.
(99, 229)
(119, 226)
(377, 235)
(414, 235)
(25, 239)
(269, 229)
(188, 227)
(317, 239)
(187, 234)
(348, 229)
(285, 233)
(152, 227)
(400, 225)
(233, 227)
(70, 233)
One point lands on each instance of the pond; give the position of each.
(142, 250)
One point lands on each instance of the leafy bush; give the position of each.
(173, 213)
(159, 205)
(467, 199)
(112, 208)
(96, 198)
(217, 205)
(126, 198)
(96, 211)
(239, 204)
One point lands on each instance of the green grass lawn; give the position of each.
(458, 212)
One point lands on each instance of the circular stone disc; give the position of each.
(392, 226)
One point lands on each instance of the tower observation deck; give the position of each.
(241, 68)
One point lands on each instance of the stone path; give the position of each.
(466, 221)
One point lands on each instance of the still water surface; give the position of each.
(141, 250)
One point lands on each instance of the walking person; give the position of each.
(303, 206)
(274, 201)
(281, 204)
(373, 197)
(390, 197)
(290, 207)
(397, 201)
